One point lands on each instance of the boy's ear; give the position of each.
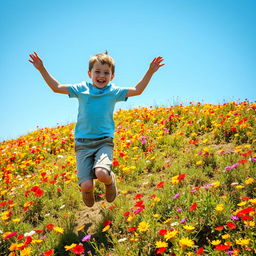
(112, 76)
(89, 73)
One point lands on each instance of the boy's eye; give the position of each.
(106, 73)
(97, 71)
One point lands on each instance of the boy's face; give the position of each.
(101, 75)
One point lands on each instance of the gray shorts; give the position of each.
(92, 153)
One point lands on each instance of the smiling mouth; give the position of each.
(101, 81)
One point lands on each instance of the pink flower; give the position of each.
(176, 196)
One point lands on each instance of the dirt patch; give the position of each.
(89, 217)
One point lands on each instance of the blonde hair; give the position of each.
(103, 58)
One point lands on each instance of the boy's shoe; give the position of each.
(111, 189)
(88, 198)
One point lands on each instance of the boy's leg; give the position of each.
(102, 167)
(87, 188)
(108, 178)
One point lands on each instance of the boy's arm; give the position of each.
(49, 79)
(139, 88)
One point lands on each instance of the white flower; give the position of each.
(122, 239)
(31, 233)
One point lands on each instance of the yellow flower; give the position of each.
(69, 247)
(215, 242)
(80, 228)
(130, 218)
(250, 223)
(175, 180)
(216, 184)
(189, 227)
(156, 215)
(219, 207)
(242, 204)
(143, 226)
(252, 201)
(16, 220)
(168, 220)
(186, 242)
(199, 162)
(226, 236)
(26, 252)
(37, 241)
(58, 230)
(249, 181)
(160, 244)
(106, 228)
(170, 235)
(157, 199)
(239, 187)
(243, 242)
(13, 247)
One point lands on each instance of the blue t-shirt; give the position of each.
(96, 108)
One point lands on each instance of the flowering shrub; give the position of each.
(186, 179)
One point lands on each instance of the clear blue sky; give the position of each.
(208, 46)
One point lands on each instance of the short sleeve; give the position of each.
(75, 89)
(120, 93)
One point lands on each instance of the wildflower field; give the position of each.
(186, 180)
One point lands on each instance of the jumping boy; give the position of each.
(94, 130)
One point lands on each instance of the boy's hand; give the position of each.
(156, 64)
(36, 61)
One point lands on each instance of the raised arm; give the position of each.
(49, 79)
(142, 84)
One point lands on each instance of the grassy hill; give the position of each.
(186, 180)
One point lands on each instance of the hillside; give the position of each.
(186, 180)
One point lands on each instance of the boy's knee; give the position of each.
(87, 186)
(102, 174)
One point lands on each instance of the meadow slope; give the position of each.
(186, 180)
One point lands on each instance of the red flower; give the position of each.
(221, 247)
(28, 240)
(20, 237)
(50, 226)
(126, 214)
(115, 163)
(138, 196)
(49, 252)
(181, 177)
(245, 211)
(139, 204)
(199, 251)
(162, 232)
(243, 161)
(161, 250)
(131, 229)
(78, 249)
(10, 235)
(219, 228)
(107, 222)
(193, 207)
(160, 185)
(231, 225)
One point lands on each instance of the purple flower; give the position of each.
(86, 238)
(179, 210)
(176, 196)
(228, 168)
(183, 220)
(253, 159)
(234, 217)
(193, 190)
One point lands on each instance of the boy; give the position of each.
(94, 130)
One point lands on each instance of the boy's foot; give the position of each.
(88, 198)
(111, 189)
